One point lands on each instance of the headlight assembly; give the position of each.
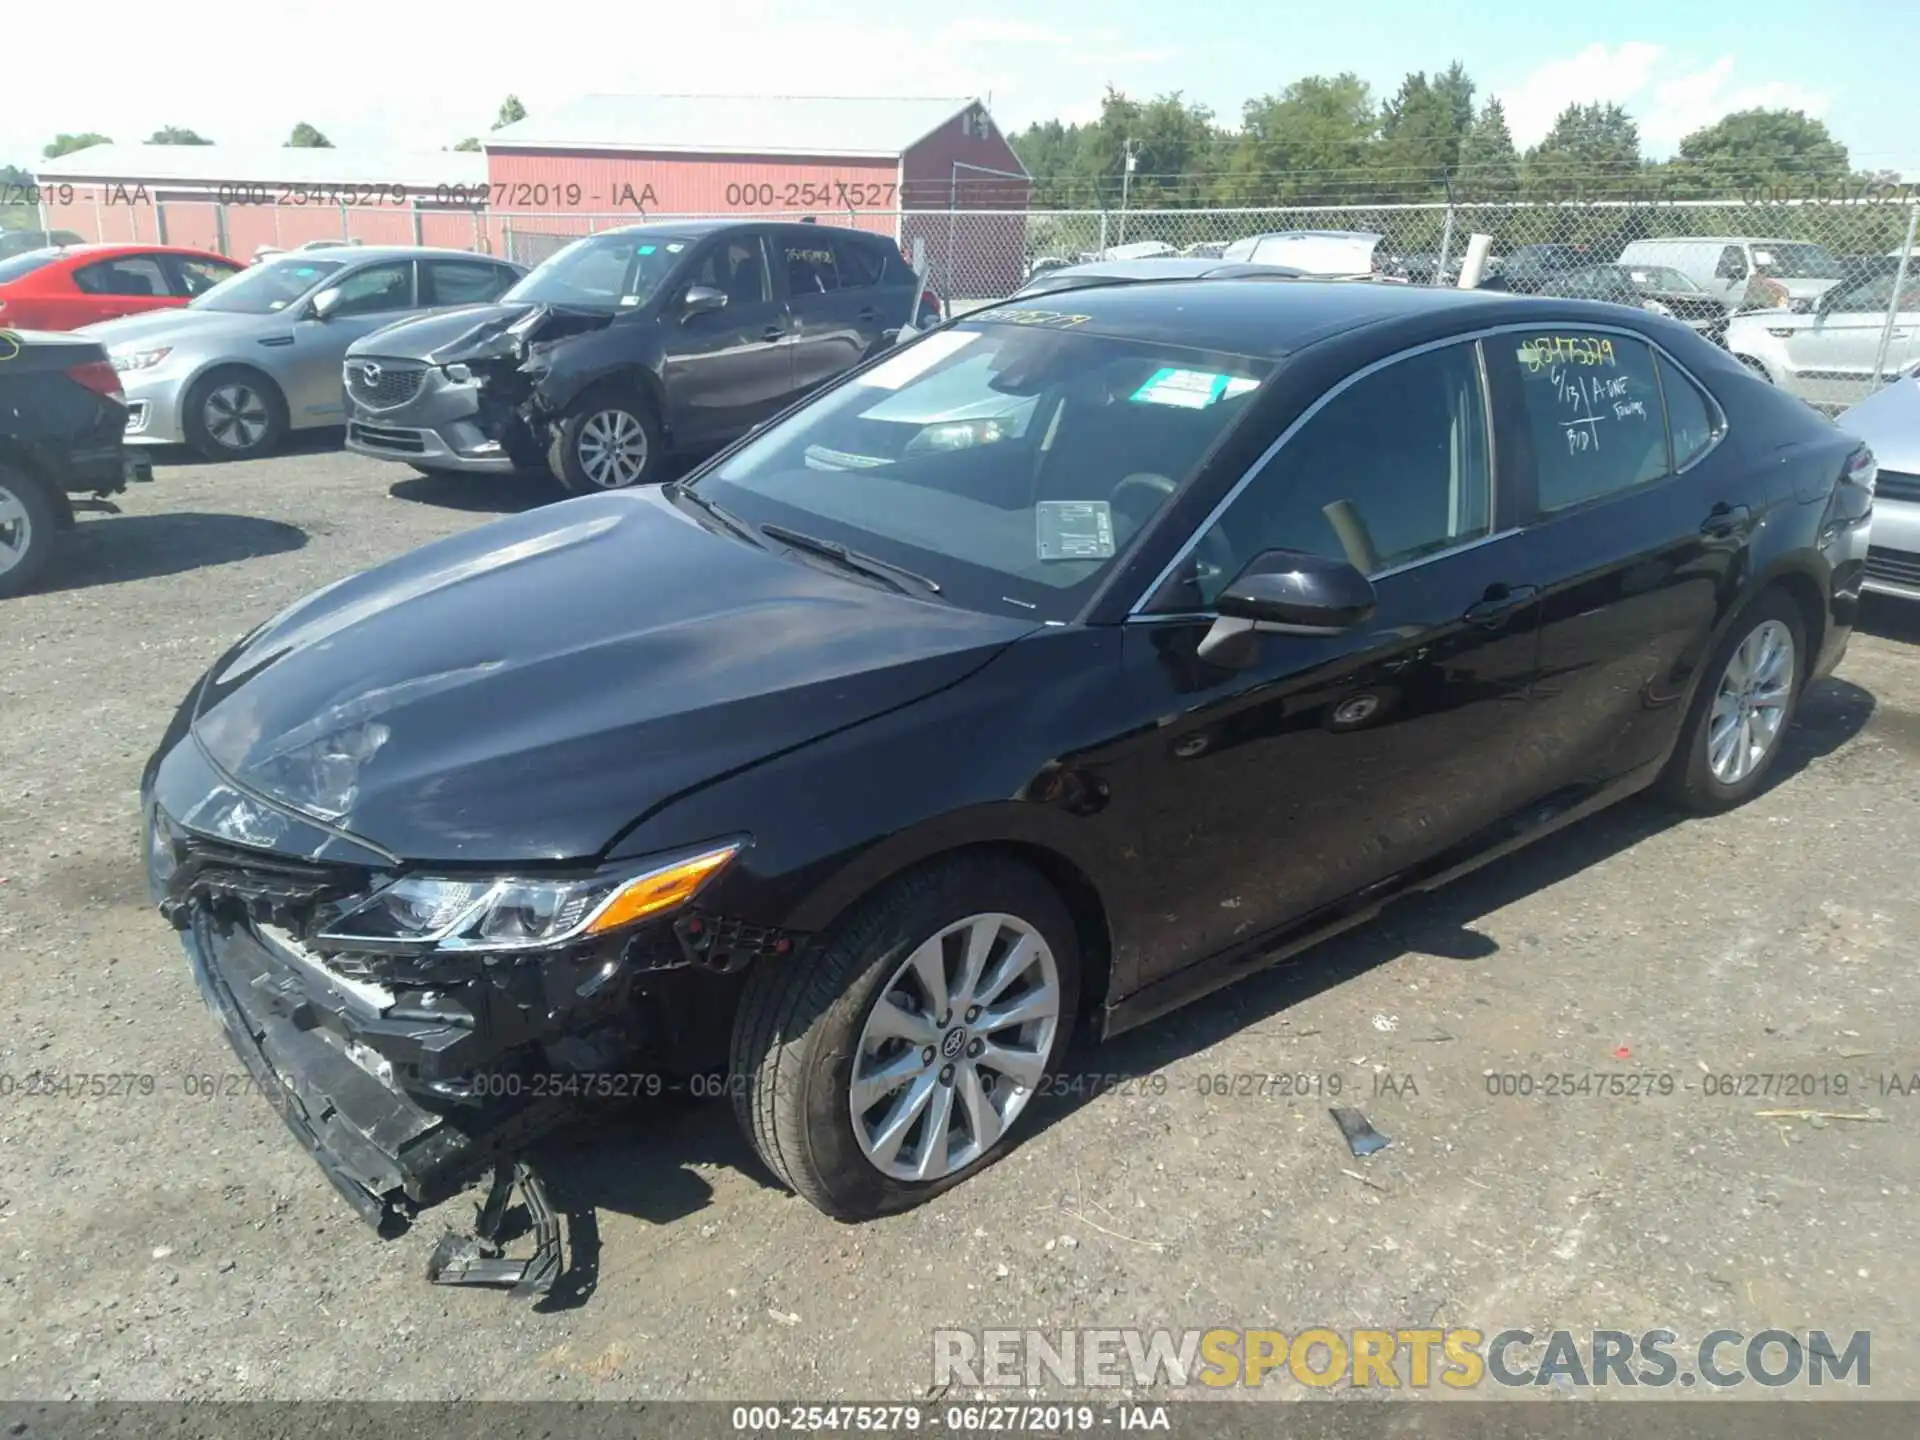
(125, 360)
(488, 914)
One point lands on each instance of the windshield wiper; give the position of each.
(849, 559)
(718, 511)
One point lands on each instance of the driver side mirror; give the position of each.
(1286, 592)
(325, 303)
(702, 300)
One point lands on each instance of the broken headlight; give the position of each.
(520, 913)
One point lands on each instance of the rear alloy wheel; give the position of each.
(27, 535)
(605, 444)
(234, 415)
(1740, 716)
(898, 1056)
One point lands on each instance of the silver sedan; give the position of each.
(260, 353)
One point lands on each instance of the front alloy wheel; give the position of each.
(235, 416)
(897, 1054)
(954, 1047)
(612, 448)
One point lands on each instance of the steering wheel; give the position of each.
(1213, 558)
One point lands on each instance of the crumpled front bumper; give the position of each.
(386, 1153)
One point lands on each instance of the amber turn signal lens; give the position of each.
(661, 890)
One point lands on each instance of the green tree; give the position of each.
(1489, 164)
(510, 110)
(177, 135)
(472, 142)
(65, 144)
(1307, 144)
(1750, 149)
(1593, 150)
(305, 137)
(1422, 129)
(1050, 151)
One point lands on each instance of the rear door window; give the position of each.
(1593, 412)
(1690, 418)
(811, 266)
(862, 263)
(128, 275)
(463, 282)
(190, 275)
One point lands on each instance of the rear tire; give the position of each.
(1738, 722)
(608, 441)
(811, 1029)
(28, 532)
(234, 414)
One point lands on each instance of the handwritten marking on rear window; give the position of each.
(1584, 350)
(1593, 399)
(1019, 316)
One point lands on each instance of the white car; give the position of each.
(1826, 355)
(1889, 421)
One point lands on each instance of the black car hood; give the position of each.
(479, 332)
(527, 690)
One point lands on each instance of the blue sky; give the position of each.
(378, 73)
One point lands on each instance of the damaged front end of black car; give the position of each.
(467, 391)
(419, 837)
(417, 1030)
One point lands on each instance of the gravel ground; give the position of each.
(172, 1245)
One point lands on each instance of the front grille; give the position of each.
(234, 882)
(384, 384)
(1896, 485)
(1899, 567)
(384, 437)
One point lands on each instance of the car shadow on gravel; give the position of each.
(639, 1158)
(478, 494)
(1442, 923)
(116, 548)
(299, 442)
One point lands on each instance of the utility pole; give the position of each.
(1126, 184)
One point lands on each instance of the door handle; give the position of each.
(869, 315)
(1499, 602)
(1725, 520)
(773, 332)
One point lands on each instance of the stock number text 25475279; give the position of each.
(808, 194)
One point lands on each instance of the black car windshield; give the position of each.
(266, 288)
(613, 272)
(1797, 261)
(1010, 463)
(25, 263)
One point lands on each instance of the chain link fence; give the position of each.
(1757, 254)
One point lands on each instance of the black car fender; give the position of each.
(834, 819)
(627, 355)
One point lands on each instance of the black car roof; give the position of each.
(1275, 320)
(689, 228)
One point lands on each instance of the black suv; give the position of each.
(62, 419)
(630, 344)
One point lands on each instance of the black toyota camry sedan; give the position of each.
(1047, 672)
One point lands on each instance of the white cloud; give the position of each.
(1690, 102)
(1595, 74)
(385, 75)
(1667, 106)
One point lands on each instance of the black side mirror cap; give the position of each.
(1286, 592)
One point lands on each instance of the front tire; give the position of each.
(27, 532)
(897, 1057)
(607, 442)
(234, 414)
(1738, 722)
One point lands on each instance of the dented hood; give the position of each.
(526, 690)
(478, 332)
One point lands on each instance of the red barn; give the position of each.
(235, 199)
(909, 168)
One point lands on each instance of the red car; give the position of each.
(74, 285)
